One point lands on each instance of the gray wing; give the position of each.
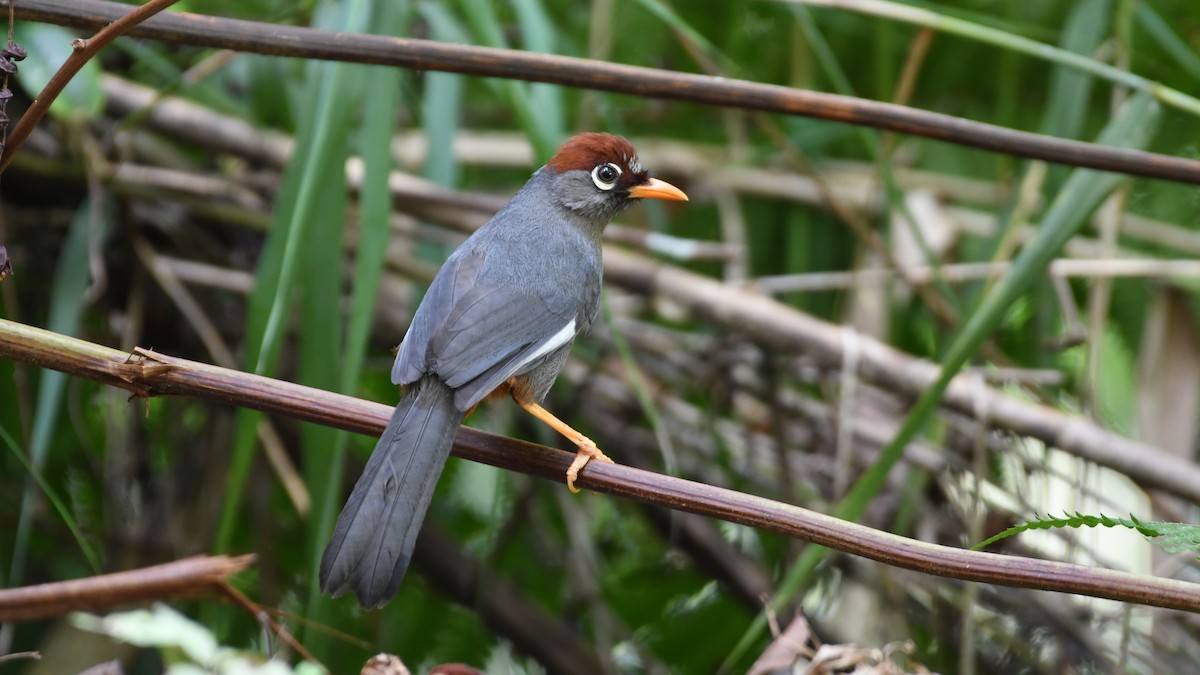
(475, 337)
(453, 280)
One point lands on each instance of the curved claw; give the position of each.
(587, 452)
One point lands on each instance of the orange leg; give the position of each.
(587, 448)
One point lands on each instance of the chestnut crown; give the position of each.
(598, 175)
(611, 159)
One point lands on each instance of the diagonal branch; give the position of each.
(149, 374)
(83, 52)
(279, 40)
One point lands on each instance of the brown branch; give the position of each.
(99, 593)
(83, 52)
(279, 40)
(150, 374)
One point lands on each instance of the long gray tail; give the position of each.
(374, 537)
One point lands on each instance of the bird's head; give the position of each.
(598, 175)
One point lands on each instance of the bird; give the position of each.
(499, 318)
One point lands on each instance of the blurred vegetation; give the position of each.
(146, 481)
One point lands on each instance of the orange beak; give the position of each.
(657, 189)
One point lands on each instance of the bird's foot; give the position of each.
(587, 452)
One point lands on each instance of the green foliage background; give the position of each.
(149, 481)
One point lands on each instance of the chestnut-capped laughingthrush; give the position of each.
(500, 316)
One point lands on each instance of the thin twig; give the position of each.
(149, 374)
(210, 336)
(280, 40)
(255, 610)
(83, 52)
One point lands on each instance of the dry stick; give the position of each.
(193, 122)
(932, 296)
(149, 374)
(99, 593)
(777, 325)
(83, 52)
(210, 336)
(608, 401)
(279, 40)
(1146, 268)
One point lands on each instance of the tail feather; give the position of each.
(375, 534)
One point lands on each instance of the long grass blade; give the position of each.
(59, 505)
(543, 126)
(71, 279)
(1165, 37)
(1086, 26)
(325, 453)
(955, 26)
(442, 101)
(317, 160)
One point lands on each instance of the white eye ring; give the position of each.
(608, 169)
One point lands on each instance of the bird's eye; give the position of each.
(605, 176)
